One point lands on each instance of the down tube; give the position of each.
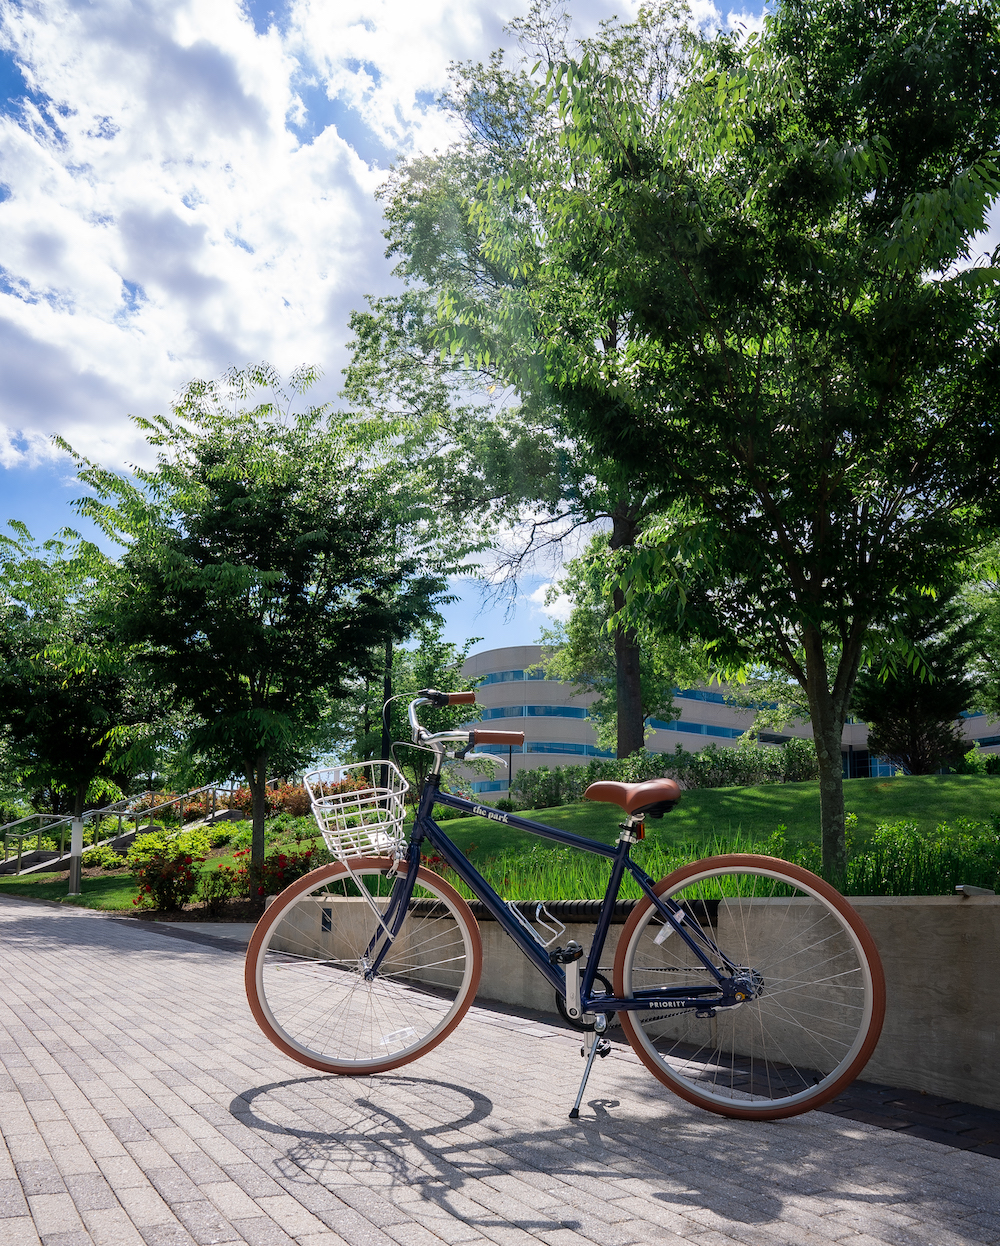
(494, 903)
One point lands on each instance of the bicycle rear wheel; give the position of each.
(815, 988)
(308, 975)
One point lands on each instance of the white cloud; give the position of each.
(560, 608)
(188, 186)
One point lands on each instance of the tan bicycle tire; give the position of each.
(700, 1090)
(304, 890)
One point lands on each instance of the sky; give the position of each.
(188, 186)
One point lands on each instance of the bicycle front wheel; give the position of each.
(806, 965)
(310, 978)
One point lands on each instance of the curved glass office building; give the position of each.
(515, 695)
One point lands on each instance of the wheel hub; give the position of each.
(745, 984)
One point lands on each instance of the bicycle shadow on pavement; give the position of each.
(380, 1145)
(444, 1143)
(411, 1132)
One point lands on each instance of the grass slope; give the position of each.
(110, 891)
(755, 812)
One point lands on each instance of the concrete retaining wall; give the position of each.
(941, 956)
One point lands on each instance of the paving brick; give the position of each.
(151, 1111)
(71, 1237)
(205, 1223)
(90, 1192)
(111, 1227)
(173, 1234)
(53, 1213)
(20, 1232)
(261, 1231)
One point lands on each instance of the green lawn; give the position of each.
(752, 813)
(755, 812)
(112, 891)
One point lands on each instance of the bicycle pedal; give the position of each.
(603, 1048)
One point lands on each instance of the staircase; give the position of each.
(44, 860)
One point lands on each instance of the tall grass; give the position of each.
(897, 862)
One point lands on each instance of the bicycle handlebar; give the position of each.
(477, 735)
(480, 736)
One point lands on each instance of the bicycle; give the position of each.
(745, 984)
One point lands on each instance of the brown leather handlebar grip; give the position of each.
(480, 736)
(461, 698)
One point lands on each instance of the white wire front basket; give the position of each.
(359, 808)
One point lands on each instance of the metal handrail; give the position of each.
(118, 807)
(49, 822)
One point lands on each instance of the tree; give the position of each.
(582, 651)
(265, 566)
(912, 709)
(430, 663)
(981, 598)
(809, 377)
(66, 683)
(512, 455)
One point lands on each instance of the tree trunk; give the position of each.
(79, 800)
(827, 711)
(831, 803)
(258, 788)
(386, 694)
(631, 720)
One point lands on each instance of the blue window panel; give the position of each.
(499, 749)
(500, 785)
(985, 741)
(577, 750)
(555, 711)
(715, 698)
(506, 677)
(535, 711)
(699, 694)
(727, 733)
(860, 764)
(971, 714)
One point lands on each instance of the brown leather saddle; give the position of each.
(651, 799)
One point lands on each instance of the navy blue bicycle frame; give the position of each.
(700, 945)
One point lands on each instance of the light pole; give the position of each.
(76, 852)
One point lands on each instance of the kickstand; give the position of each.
(598, 1047)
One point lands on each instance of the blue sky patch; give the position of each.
(134, 295)
(321, 111)
(13, 85)
(371, 69)
(266, 13)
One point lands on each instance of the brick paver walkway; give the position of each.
(139, 1103)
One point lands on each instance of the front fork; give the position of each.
(394, 915)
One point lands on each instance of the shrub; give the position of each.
(715, 766)
(289, 798)
(278, 870)
(219, 885)
(163, 867)
(104, 858)
(975, 761)
(155, 803)
(900, 861)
